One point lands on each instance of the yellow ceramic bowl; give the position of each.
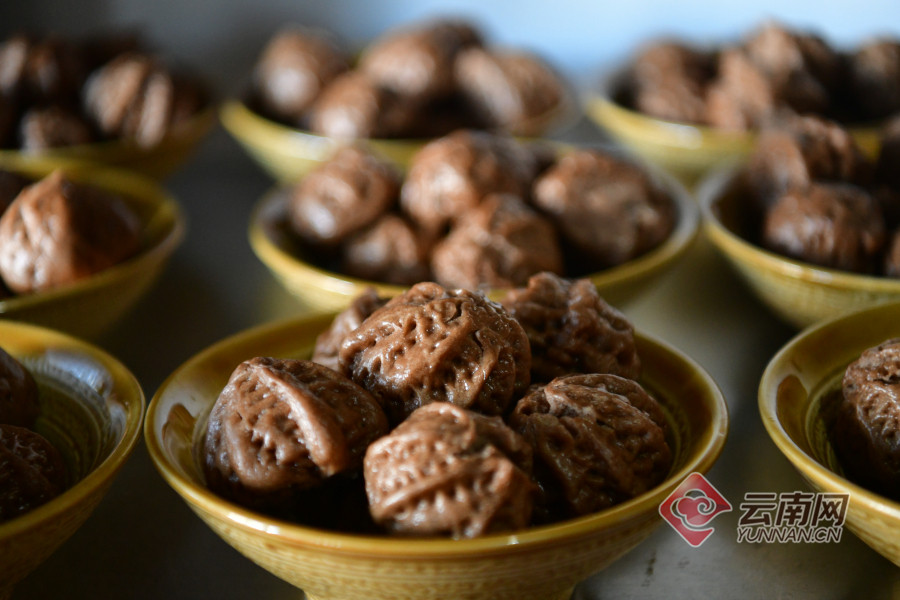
(325, 290)
(540, 563)
(288, 153)
(685, 150)
(799, 293)
(91, 410)
(87, 307)
(803, 374)
(157, 161)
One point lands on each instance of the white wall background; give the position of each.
(581, 37)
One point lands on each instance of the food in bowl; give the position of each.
(476, 210)
(57, 92)
(57, 231)
(775, 70)
(432, 387)
(421, 80)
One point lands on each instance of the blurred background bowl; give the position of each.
(686, 150)
(794, 385)
(543, 562)
(91, 410)
(88, 307)
(320, 289)
(799, 293)
(157, 161)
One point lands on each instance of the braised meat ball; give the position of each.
(608, 208)
(431, 344)
(669, 80)
(839, 226)
(328, 344)
(598, 440)
(502, 242)
(58, 231)
(294, 68)
(741, 98)
(53, 127)
(510, 90)
(866, 429)
(450, 175)
(282, 426)
(571, 329)
(389, 250)
(32, 471)
(342, 196)
(353, 106)
(875, 78)
(449, 471)
(40, 71)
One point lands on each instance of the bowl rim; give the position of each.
(710, 447)
(129, 183)
(132, 398)
(283, 262)
(712, 189)
(806, 464)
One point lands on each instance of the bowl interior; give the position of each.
(321, 288)
(175, 428)
(88, 306)
(91, 410)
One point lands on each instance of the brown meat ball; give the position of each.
(598, 440)
(431, 344)
(353, 106)
(866, 429)
(571, 329)
(606, 207)
(32, 471)
(451, 175)
(668, 81)
(40, 70)
(283, 426)
(875, 78)
(839, 226)
(512, 91)
(342, 196)
(57, 232)
(417, 62)
(293, 69)
(741, 98)
(449, 471)
(53, 127)
(18, 393)
(328, 343)
(390, 250)
(500, 243)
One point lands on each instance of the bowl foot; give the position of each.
(562, 595)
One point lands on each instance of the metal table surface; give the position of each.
(144, 542)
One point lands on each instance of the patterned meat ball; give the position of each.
(32, 471)
(328, 344)
(451, 175)
(353, 106)
(342, 196)
(606, 207)
(501, 243)
(430, 344)
(839, 226)
(866, 429)
(57, 232)
(512, 91)
(283, 426)
(390, 250)
(598, 440)
(449, 471)
(571, 329)
(293, 69)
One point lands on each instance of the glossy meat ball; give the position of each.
(353, 106)
(390, 250)
(328, 343)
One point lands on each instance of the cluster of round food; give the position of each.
(864, 420)
(57, 92)
(55, 231)
(419, 81)
(812, 195)
(775, 70)
(477, 209)
(446, 414)
(32, 470)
